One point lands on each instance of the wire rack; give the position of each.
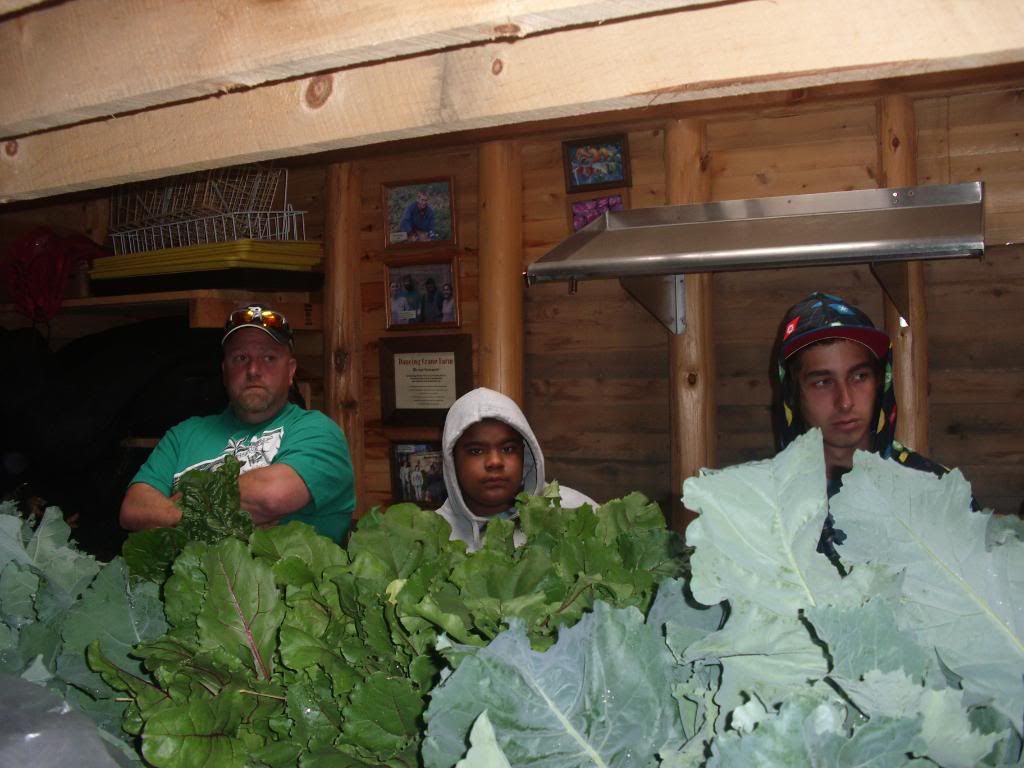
(206, 207)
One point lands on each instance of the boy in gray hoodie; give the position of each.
(491, 455)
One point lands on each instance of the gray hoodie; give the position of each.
(476, 406)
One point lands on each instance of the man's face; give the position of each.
(395, 289)
(421, 200)
(257, 374)
(489, 466)
(837, 386)
(407, 283)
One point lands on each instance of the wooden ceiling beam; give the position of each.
(713, 51)
(80, 60)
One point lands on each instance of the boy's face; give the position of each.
(489, 466)
(837, 384)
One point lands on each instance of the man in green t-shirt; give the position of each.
(295, 463)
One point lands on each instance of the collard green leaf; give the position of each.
(298, 553)
(958, 596)
(65, 572)
(761, 653)
(947, 735)
(594, 698)
(867, 638)
(484, 751)
(118, 614)
(18, 588)
(758, 529)
(810, 731)
(243, 609)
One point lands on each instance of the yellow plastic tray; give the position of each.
(295, 255)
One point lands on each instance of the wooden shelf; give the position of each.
(206, 307)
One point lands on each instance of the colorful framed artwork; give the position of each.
(582, 212)
(419, 213)
(422, 292)
(596, 163)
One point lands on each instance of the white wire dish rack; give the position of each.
(207, 207)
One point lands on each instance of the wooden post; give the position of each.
(501, 269)
(343, 359)
(898, 162)
(692, 353)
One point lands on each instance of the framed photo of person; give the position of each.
(596, 163)
(419, 213)
(422, 292)
(417, 474)
(585, 210)
(421, 376)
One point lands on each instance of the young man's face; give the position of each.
(837, 385)
(257, 374)
(489, 466)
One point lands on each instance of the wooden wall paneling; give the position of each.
(976, 357)
(691, 353)
(342, 352)
(596, 360)
(501, 269)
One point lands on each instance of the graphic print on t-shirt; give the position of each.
(252, 453)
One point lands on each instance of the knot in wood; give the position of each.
(506, 30)
(691, 378)
(496, 66)
(11, 148)
(319, 91)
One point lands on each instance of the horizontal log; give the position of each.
(734, 48)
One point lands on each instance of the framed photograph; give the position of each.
(417, 474)
(422, 293)
(584, 211)
(419, 213)
(597, 163)
(421, 376)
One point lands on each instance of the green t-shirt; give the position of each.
(307, 441)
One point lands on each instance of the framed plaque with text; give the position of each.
(421, 376)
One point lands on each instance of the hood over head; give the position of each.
(480, 404)
(819, 317)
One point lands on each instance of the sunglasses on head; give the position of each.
(268, 318)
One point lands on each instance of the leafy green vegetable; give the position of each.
(54, 601)
(912, 658)
(291, 649)
(210, 512)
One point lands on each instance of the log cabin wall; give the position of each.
(596, 364)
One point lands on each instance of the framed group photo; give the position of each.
(419, 213)
(417, 474)
(596, 163)
(422, 292)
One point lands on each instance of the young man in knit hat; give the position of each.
(295, 463)
(835, 373)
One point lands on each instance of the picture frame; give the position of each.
(583, 210)
(421, 376)
(421, 292)
(424, 457)
(419, 213)
(596, 163)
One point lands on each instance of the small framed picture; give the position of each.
(596, 163)
(419, 213)
(582, 212)
(417, 474)
(422, 292)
